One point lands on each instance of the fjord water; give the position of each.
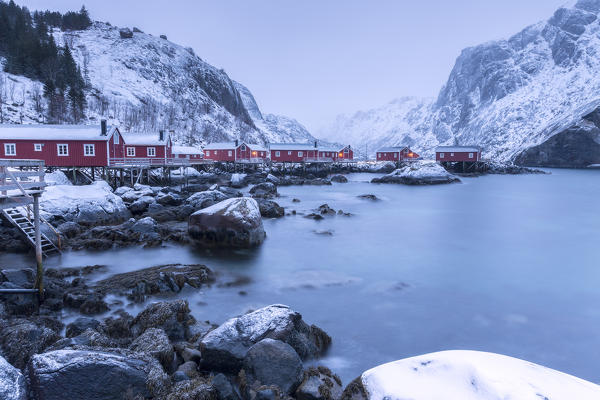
(506, 264)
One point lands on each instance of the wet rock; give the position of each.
(95, 374)
(270, 209)
(171, 316)
(69, 229)
(230, 192)
(371, 197)
(339, 179)
(180, 376)
(80, 325)
(205, 199)
(190, 368)
(273, 362)
(125, 33)
(189, 354)
(12, 382)
(355, 391)
(418, 173)
(21, 339)
(224, 388)
(118, 326)
(319, 384)
(316, 217)
(295, 200)
(197, 389)
(23, 278)
(86, 301)
(328, 232)
(272, 179)
(169, 199)
(238, 180)
(235, 223)
(224, 348)
(264, 190)
(156, 343)
(120, 191)
(324, 209)
(141, 205)
(88, 338)
(318, 182)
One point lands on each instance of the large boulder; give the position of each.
(231, 223)
(141, 205)
(80, 325)
(418, 173)
(206, 198)
(467, 375)
(21, 339)
(95, 374)
(339, 179)
(12, 382)
(270, 209)
(273, 362)
(155, 342)
(264, 190)
(238, 180)
(225, 348)
(173, 317)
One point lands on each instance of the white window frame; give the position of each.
(441, 155)
(38, 147)
(277, 154)
(229, 153)
(85, 150)
(58, 147)
(151, 151)
(208, 153)
(395, 155)
(289, 153)
(470, 155)
(116, 138)
(451, 154)
(243, 148)
(11, 146)
(300, 154)
(130, 151)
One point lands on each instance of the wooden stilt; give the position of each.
(38, 247)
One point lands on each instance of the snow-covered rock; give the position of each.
(233, 222)
(238, 180)
(57, 178)
(12, 382)
(469, 375)
(418, 173)
(206, 198)
(93, 204)
(226, 347)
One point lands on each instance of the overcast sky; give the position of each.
(314, 59)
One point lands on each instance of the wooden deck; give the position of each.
(20, 180)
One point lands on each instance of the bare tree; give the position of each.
(37, 98)
(2, 96)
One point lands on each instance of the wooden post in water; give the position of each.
(38, 246)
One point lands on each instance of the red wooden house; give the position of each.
(187, 153)
(458, 153)
(236, 151)
(62, 145)
(397, 153)
(293, 152)
(141, 148)
(336, 154)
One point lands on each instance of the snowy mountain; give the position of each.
(145, 82)
(518, 98)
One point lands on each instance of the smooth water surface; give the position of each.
(507, 264)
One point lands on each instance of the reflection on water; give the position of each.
(507, 264)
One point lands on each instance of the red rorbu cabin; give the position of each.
(141, 148)
(458, 153)
(235, 152)
(398, 153)
(293, 152)
(187, 153)
(336, 154)
(62, 145)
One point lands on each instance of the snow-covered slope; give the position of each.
(148, 83)
(506, 96)
(471, 375)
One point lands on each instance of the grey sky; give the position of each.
(314, 59)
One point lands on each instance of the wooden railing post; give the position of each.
(38, 246)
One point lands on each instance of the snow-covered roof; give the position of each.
(55, 132)
(257, 147)
(291, 146)
(220, 146)
(145, 139)
(392, 149)
(186, 150)
(457, 149)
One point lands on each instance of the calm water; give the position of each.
(507, 264)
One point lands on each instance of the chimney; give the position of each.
(316, 144)
(237, 142)
(103, 127)
(161, 135)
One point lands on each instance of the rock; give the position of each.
(155, 342)
(295, 200)
(171, 316)
(189, 354)
(318, 182)
(339, 179)
(270, 209)
(145, 226)
(371, 197)
(137, 30)
(233, 223)
(168, 199)
(118, 326)
(197, 389)
(238, 180)
(264, 190)
(205, 199)
(95, 374)
(355, 391)
(273, 362)
(21, 278)
(272, 179)
(69, 229)
(141, 205)
(224, 388)
(224, 348)
(120, 191)
(88, 338)
(419, 173)
(324, 209)
(198, 330)
(190, 368)
(316, 217)
(319, 384)
(180, 376)
(230, 192)
(80, 325)
(12, 382)
(163, 37)
(125, 33)
(86, 301)
(21, 339)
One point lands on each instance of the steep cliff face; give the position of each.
(507, 96)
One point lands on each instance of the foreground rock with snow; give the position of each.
(418, 173)
(233, 222)
(468, 375)
(12, 382)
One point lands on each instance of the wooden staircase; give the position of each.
(18, 218)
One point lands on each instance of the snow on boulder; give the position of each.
(12, 382)
(238, 180)
(233, 222)
(57, 178)
(225, 348)
(419, 173)
(468, 375)
(206, 198)
(93, 204)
